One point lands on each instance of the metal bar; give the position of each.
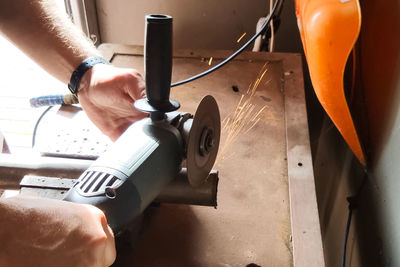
(179, 191)
(14, 168)
(306, 231)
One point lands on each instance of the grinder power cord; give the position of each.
(275, 10)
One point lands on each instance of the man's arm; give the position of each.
(46, 232)
(45, 33)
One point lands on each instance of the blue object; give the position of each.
(48, 100)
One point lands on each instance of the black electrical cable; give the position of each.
(264, 26)
(353, 204)
(37, 124)
(346, 236)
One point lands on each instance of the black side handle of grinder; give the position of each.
(158, 67)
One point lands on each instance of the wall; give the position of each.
(338, 175)
(197, 24)
(206, 24)
(288, 36)
(380, 51)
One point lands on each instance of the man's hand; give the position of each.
(45, 33)
(107, 94)
(44, 232)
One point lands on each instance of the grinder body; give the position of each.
(128, 177)
(149, 154)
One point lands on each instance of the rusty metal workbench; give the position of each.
(267, 211)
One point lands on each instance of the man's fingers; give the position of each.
(135, 86)
(109, 99)
(109, 248)
(107, 253)
(110, 253)
(143, 94)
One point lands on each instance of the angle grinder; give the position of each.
(149, 154)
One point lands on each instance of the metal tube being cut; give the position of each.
(179, 191)
(13, 168)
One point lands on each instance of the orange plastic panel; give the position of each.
(329, 30)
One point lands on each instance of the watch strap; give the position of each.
(78, 73)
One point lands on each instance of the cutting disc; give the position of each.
(203, 141)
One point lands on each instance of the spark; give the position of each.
(259, 112)
(251, 90)
(246, 114)
(210, 61)
(241, 37)
(251, 127)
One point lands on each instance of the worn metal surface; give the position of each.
(67, 132)
(252, 221)
(306, 231)
(50, 187)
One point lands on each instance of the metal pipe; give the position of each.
(13, 168)
(179, 191)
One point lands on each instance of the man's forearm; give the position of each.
(46, 34)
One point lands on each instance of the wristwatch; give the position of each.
(78, 73)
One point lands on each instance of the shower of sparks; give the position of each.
(246, 115)
(241, 37)
(210, 61)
